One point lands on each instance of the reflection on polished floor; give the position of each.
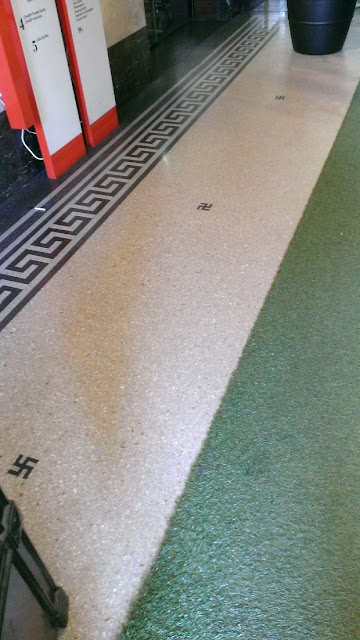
(128, 298)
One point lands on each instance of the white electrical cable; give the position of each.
(28, 148)
(22, 136)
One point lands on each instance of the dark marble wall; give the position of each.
(130, 65)
(17, 166)
(251, 4)
(130, 68)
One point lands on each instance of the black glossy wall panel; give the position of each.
(130, 65)
(17, 166)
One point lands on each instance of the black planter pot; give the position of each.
(319, 27)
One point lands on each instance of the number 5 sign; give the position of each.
(56, 117)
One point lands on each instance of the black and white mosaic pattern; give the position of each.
(31, 253)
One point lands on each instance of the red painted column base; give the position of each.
(63, 159)
(96, 132)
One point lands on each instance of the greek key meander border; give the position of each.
(36, 255)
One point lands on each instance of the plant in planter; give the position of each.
(319, 27)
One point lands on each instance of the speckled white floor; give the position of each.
(112, 373)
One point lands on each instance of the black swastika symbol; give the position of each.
(204, 206)
(23, 466)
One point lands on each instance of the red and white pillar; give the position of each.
(14, 80)
(85, 41)
(50, 93)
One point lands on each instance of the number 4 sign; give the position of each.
(56, 117)
(14, 80)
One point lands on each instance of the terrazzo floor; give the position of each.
(114, 364)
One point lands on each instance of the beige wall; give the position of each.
(122, 18)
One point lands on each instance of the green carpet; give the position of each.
(265, 541)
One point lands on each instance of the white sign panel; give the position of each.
(92, 58)
(41, 39)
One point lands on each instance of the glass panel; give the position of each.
(150, 15)
(165, 16)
